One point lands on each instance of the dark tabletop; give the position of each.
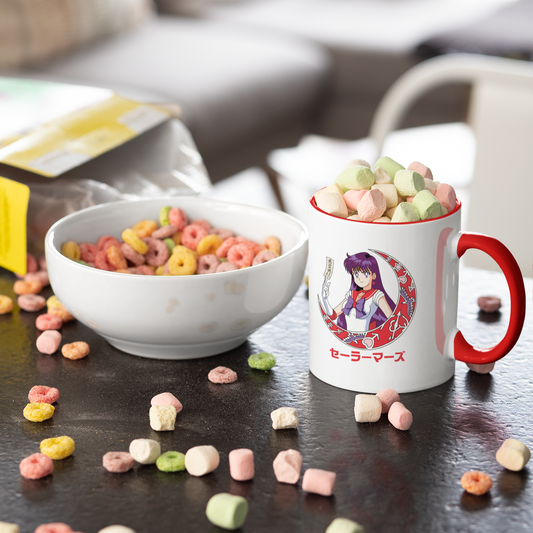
(387, 480)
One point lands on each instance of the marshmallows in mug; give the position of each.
(388, 193)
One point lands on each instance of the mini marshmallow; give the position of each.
(284, 418)
(389, 165)
(227, 511)
(367, 408)
(424, 171)
(354, 217)
(241, 464)
(343, 525)
(390, 193)
(390, 212)
(513, 455)
(167, 398)
(332, 203)
(287, 466)
(7, 527)
(445, 194)
(381, 220)
(430, 186)
(405, 212)
(319, 481)
(381, 176)
(408, 182)
(481, 369)
(353, 197)
(334, 187)
(201, 460)
(387, 397)
(356, 177)
(357, 162)
(400, 417)
(372, 205)
(145, 451)
(162, 417)
(116, 529)
(427, 205)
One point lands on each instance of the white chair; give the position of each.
(499, 175)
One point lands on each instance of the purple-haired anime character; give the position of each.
(366, 305)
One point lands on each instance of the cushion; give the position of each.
(32, 31)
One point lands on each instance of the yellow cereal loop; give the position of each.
(6, 304)
(181, 248)
(144, 228)
(130, 237)
(273, 244)
(58, 448)
(182, 263)
(38, 412)
(53, 301)
(209, 244)
(177, 237)
(160, 271)
(71, 250)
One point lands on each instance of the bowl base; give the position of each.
(171, 351)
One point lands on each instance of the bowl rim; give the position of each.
(51, 248)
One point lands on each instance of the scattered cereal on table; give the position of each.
(241, 464)
(167, 398)
(481, 369)
(227, 511)
(171, 462)
(54, 527)
(43, 394)
(36, 466)
(58, 448)
(201, 460)
(221, 374)
(145, 451)
(6, 304)
(262, 361)
(116, 529)
(48, 321)
(489, 304)
(48, 341)
(118, 462)
(344, 525)
(513, 455)
(32, 286)
(387, 397)
(319, 481)
(400, 417)
(287, 466)
(38, 411)
(75, 350)
(284, 418)
(367, 408)
(31, 302)
(476, 482)
(162, 417)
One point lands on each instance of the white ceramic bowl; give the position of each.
(177, 317)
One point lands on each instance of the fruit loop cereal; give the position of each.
(58, 448)
(489, 304)
(118, 462)
(262, 361)
(171, 462)
(75, 350)
(54, 527)
(221, 374)
(48, 321)
(476, 482)
(6, 304)
(173, 246)
(31, 302)
(36, 466)
(38, 411)
(43, 394)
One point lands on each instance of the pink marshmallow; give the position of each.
(166, 398)
(400, 417)
(353, 197)
(48, 341)
(319, 481)
(445, 194)
(241, 464)
(421, 169)
(481, 369)
(372, 205)
(387, 397)
(287, 466)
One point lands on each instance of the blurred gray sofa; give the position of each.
(250, 75)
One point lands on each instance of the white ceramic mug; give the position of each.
(383, 301)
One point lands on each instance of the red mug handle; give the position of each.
(463, 351)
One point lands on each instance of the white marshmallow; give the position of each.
(390, 193)
(116, 529)
(357, 162)
(163, 417)
(284, 418)
(381, 176)
(513, 455)
(201, 460)
(145, 451)
(367, 408)
(332, 203)
(7, 527)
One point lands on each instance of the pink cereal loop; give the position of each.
(207, 264)
(117, 462)
(222, 250)
(54, 527)
(177, 218)
(41, 276)
(36, 466)
(48, 321)
(88, 252)
(203, 223)
(31, 263)
(241, 255)
(31, 302)
(165, 231)
(264, 256)
(223, 233)
(146, 270)
(100, 261)
(131, 255)
(105, 241)
(158, 252)
(192, 235)
(226, 266)
(43, 394)
(222, 374)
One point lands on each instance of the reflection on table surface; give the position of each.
(387, 480)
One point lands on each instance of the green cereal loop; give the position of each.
(163, 215)
(262, 361)
(170, 244)
(171, 462)
(81, 262)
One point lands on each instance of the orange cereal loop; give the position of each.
(62, 312)
(6, 304)
(32, 286)
(182, 263)
(209, 244)
(116, 258)
(476, 482)
(71, 250)
(273, 244)
(75, 350)
(131, 238)
(176, 237)
(145, 228)
(192, 235)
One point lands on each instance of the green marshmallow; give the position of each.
(389, 165)
(405, 212)
(81, 262)
(163, 215)
(356, 177)
(170, 244)
(262, 361)
(227, 511)
(343, 525)
(171, 462)
(409, 182)
(427, 205)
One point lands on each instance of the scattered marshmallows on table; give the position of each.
(387, 193)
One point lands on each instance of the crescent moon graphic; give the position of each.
(394, 326)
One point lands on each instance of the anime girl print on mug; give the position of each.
(370, 315)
